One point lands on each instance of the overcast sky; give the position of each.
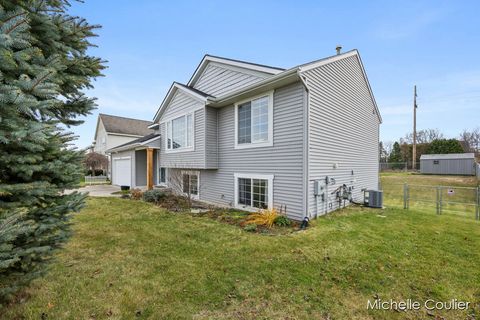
(433, 44)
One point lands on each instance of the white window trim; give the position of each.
(183, 149)
(269, 177)
(267, 143)
(193, 196)
(160, 183)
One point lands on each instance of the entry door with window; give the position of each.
(190, 184)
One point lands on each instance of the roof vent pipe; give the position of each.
(338, 48)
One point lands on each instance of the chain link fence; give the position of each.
(398, 166)
(462, 201)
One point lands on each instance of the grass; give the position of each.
(132, 260)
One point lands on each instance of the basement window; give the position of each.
(253, 192)
(162, 175)
(190, 183)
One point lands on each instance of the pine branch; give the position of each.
(41, 79)
(14, 16)
(15, 26)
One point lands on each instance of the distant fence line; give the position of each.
(95, 179)
(398, 166)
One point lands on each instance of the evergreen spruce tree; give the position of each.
(44, 67)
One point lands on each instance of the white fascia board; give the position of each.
(175, 86)
(150, 140)
(118, 149)
(153, 126)
(124, 134)
(322, 62)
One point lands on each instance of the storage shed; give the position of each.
(454, 163)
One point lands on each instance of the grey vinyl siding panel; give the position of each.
(182, 104)
(284, 159)
(343, 130)
(448, 166)
(211, 146)
(140, 167)
(217, 80)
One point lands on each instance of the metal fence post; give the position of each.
(438, 200)
(405, 196)
(477, 206)
(441, 199)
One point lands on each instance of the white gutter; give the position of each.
(306, 144)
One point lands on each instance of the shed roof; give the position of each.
(122, 125)
(449, 156)
(136, 143)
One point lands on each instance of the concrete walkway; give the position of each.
(100, 190)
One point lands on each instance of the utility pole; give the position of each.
(414, 151)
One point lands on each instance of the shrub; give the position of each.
(251, 227)
(154, 195)
(282, 221)
(96, 172)
(264, 217)
(136, 194)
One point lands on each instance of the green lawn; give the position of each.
(132, 260)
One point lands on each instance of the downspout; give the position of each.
(306, 151)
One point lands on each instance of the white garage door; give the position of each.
(122, 172)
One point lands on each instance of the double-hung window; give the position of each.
(254, 122)
(253, 191)
(180, 133)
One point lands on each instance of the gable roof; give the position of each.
(124, 126)
(279, 77)
(136, 143)
(194, 93)
(288, 76)
(232, 62)
(447, 156)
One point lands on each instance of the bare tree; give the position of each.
(387, 148)
(94, 161)
(186, 182)
(471, 140)
(423, 136)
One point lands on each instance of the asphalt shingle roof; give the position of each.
(122, 125)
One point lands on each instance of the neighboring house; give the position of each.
(250, 136)
(453, 163)
(113, 131)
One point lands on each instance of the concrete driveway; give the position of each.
(100, 190)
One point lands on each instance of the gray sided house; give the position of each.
(112, 131)
(250, 136)
(452, 164)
